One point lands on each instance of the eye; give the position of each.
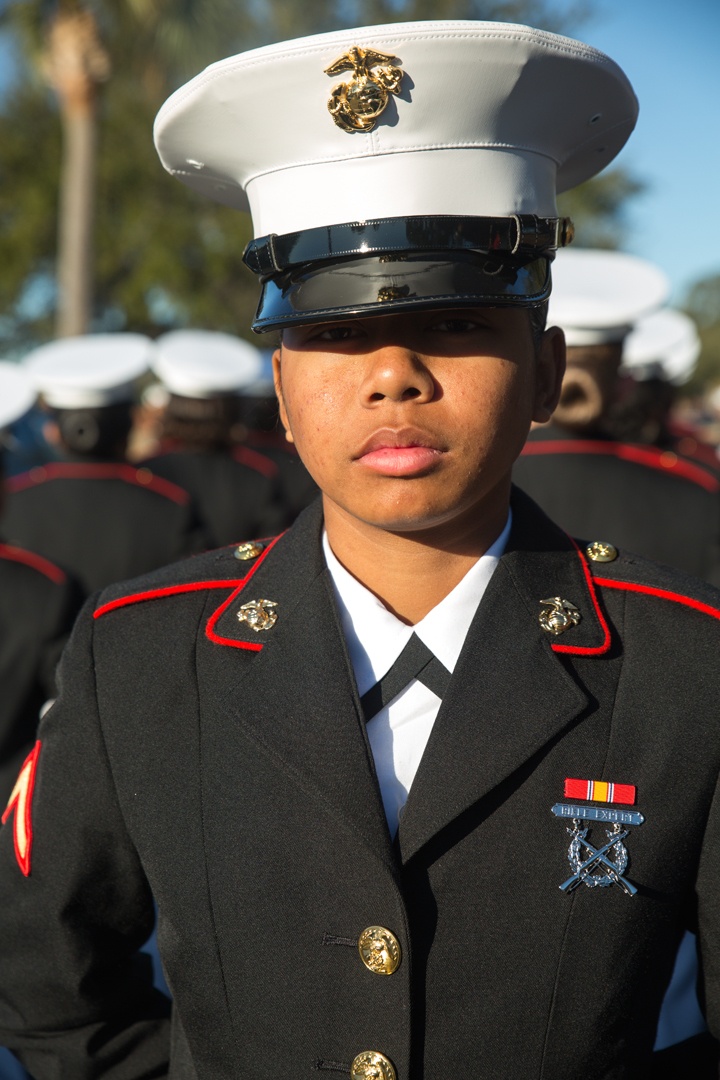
(456, 326)
(336, 333)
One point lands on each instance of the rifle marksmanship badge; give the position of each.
(605, 864)
(356, 105)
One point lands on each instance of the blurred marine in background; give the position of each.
(38, 602)
(93, 513)
(235, 488)
(264, 432)
(592, 483)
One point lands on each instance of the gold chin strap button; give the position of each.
(601, 551)
(370, 1065)
(250, 550)
(379, 950)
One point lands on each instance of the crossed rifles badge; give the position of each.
(604, 865)
(356, 105)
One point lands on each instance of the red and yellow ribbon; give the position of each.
(600, 791)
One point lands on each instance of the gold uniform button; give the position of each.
(250, 550)
(601, 551)
(143, 476)
(370, 1065)
(379, 950)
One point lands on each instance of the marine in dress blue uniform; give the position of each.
(235, 489)
(264, 433)
(590, 473)
(37, 605)
(93, 513)
(332, 899)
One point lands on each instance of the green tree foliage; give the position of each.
(29, 173)
(598, 208)
(703, 305)
(164, 256)
(274, 20)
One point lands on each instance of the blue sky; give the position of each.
(669, 50)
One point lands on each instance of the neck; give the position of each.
(411, 572)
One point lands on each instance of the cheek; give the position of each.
(494, 405)
(317, 411)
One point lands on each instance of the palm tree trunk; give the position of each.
(74, 64)
(75, 222)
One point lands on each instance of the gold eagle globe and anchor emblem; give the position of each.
(258, 614)
(558, 615)
(356, 105)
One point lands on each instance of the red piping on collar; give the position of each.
(210, 634)
(169, 590)
(649, 456)
(662, 594)
(237, 585)
(139, 477)
(596, 650)
(251, 646)
(37, 562)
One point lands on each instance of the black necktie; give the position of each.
(414, 662)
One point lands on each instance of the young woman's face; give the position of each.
(409, 421)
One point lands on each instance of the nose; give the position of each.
(395, 373)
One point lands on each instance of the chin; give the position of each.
(407, 518)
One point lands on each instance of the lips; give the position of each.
(407, 452)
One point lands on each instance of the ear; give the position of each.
(277, 379)
(51, 433)
(549, 371)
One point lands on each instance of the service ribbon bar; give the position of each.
(600, 791)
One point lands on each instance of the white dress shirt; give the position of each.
(375, 638)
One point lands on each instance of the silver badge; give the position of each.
(598, 866)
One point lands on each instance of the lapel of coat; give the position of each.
(296, 696)
(510, 696)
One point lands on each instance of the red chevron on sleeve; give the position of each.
(21, 803)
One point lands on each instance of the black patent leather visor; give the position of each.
(319, 292)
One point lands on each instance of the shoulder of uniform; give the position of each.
(136, 476)
(622, 570)
(666, 462)
(225, 568)
(29, 479)
(10, 553)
